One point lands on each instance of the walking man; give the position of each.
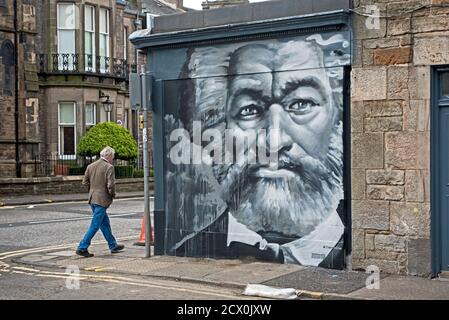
(100, 179)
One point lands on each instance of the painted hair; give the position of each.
(207, 69)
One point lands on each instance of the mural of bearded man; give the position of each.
(288, 211)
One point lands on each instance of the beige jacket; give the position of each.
(100, 179)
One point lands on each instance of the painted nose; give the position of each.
(277, 125)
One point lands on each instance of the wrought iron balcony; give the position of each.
(74, 63)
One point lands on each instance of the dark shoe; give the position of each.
(118, 248)
(84, 253)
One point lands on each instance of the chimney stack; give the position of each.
(214, 4)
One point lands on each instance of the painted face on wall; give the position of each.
(291, 86)
(289, 200)
(297, 103)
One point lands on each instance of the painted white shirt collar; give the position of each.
(309, 250)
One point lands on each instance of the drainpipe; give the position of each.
(137, 23)
(145, 98)
(16, 107)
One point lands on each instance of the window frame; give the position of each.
(7, 52)
(93, 34)
(60, 152)
(60, 30)
(94, 113)
(125, 43)
(104, 36)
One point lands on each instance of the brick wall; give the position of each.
(390, 133)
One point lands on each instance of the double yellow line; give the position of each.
(153, 283)
(156, 284)
(10, 254)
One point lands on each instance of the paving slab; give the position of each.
(142, 266)
(406, 288)
(321, 280)
(255, 272)
(192, 271)
(87, 263)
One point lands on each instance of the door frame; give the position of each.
(435, 216)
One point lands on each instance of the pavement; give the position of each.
(50, 198)
(309, 282)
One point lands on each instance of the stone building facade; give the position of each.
(18, 94)
(391, 104)
(85, 59)
(72, 56)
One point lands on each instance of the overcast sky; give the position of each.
(196, 4)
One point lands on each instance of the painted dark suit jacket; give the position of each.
(212, 243)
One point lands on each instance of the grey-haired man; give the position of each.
(100, 179)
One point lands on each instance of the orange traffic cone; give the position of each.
(141, 241)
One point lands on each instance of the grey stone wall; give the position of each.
(59, 185)
(7, 126)
(390, 133)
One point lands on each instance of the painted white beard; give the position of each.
(288, 207)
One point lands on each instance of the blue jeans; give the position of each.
(100, 220)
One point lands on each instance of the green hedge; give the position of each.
(108, 134)
(128, 171)
(124, 171)
(77, 171)
(138, 173)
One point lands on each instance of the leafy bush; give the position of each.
(108, 134)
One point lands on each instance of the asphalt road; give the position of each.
(35, 226)
(19, 285)
(62, 223)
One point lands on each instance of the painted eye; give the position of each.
(249, 112)
(303, 106)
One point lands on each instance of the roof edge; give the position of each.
(145, 39)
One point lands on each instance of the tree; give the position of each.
(108, 134)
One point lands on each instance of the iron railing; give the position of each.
(69, 63)
(47, 165)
